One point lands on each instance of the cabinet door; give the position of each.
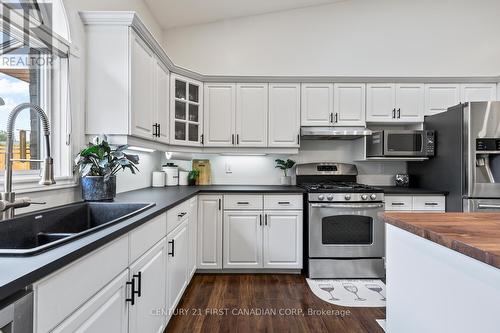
(142, 89)
(251, 114)
(283, 239)
(243, 239)
(220, 110)
(439, 97)
(316, 104)
(478, 92)
(284, 115)
(177, 269)
(193, 231)
(150, 276)
(380, 102)
(162, 102)
(349, 104)
(186, 114)
(209, 232)
(107, 311)
(410, 103)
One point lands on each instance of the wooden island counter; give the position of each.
(443, 272)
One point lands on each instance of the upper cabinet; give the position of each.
(478, 92)
(251, 114)
(186, 118)
(317, 104)
(219, 108)
(439, 97)
(284, 115)
(395, 103)
(349, 104)
(162, 91)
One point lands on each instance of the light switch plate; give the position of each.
(228, 168)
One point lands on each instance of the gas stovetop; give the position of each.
(339, 187)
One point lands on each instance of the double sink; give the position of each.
(33, 233)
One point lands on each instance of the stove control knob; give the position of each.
(373, 196)
(321, 197)
(329, 197)
(364, 197)
(347, 197)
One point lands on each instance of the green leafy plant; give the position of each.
(193, 174)
(100, 159)
(284, 165)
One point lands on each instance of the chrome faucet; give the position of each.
(8, 201)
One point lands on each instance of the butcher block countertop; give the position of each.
(476, 235)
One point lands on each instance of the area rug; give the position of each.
(350, 293)
(382, 323)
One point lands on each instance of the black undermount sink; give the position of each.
(31, 234)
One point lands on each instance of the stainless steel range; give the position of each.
(345, 235)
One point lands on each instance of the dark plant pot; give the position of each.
(191, 182)
(94, 188)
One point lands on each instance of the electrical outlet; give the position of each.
(228, 168)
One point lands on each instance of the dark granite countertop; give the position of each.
(19, 272)
(388, 190)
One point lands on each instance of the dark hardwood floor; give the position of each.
(232, 302)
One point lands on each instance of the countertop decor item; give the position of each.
(285, 165)
(205, 176)
(193, 177)
(171, 174)
(158, 179)
(98, 164)
(402, 180)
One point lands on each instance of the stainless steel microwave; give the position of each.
(400, 143)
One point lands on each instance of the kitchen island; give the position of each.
(443, 272)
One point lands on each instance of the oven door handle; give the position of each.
(363, 206)
(488, 206)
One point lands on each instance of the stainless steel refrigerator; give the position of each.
(467, 159)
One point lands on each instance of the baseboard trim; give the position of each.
(250, 271)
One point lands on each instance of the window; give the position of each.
(33, 68)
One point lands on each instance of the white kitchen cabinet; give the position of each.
(177, 269)
(439, 97)
(142, 68)
(408, 203)
(242, 239)
(316, 104)
(395, 103)
(282, 242)
(186, 114)
(149, 276)
(209, 232)
(193, 235)
(107, 311)
(478, 92)
(349, 104)
(251, 114)
(219, 114)
(162, 107)
(284, 115)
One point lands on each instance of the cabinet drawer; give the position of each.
(283, 201)
(429, 202)
(398, 203)
(147, 235)
(176, 215)
(243, 201)
(66, 290)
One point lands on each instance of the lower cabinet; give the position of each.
(193, 235)
(282, 241)
(177, 269)
(419, 203)
(148, 276)
(107, 311)
(209, 232)
(242, 239)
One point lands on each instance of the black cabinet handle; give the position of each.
(265, 219)
(155, 129)
(394, 113)
(298, 139)
(431, 203)
(132, 291)
(397, 204)
(220, 204)
(202, 138)
(243, 203)
(139, 283)
(331, 117)
(180, 215)
(283, 202)
(173, 248)
(399, 113)
(237, 139)
(232, 139)
(260, 220)
(158, 131)
(336, 117)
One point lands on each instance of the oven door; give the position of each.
(346, 230)
(404, 143)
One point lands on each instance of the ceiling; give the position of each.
(177, 13)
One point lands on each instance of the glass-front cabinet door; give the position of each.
(187, 116)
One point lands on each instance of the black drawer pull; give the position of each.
(181, 214)
(283, 202)
(398, 203)
(243, 203)
(431, 203)
(139, 283)
(173, 248)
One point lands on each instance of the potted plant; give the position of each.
(98, 164)
(193, 177)
(285, 165)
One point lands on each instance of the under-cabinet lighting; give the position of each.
(147, 150)
(243, 154)
(168, 155)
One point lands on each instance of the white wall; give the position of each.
(349, 38)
